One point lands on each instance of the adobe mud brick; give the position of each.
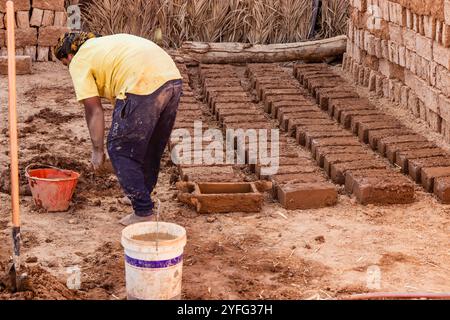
(188, 107)
(322, 152)
(26, 37)
(287, 117)
(346, 116)
(54, 5)
(209, 174)
(23, 65)
(299, 69)
(338, 171)
(430, 174)
(229, 99)
(300, 131)
(48, 36)
(279, 92)
(402, 157)
(261, 87)
(281, 111)
(214, 96)
(19, 5)
(283, 98)
(246, 126)
(292, 169)
(380, 190)
(314, 84)
(378, 138)
(323, 96)
(257, 82)
(365, 119)
(331, 159)
(212, 83)
(289, 104)
(337, 105)
(294, 123)
(324, 142)
(313, 75)
(365, 128)
(307, 195)
(311, 135)
(220, 114)
(244, 118)
(281, 179)
(442, 189)
(223, 106)
(217, 77)
(393, 148)
(214, 91)
(282, 161)
(193, 114)
(415, 166)
(396, 139)
(185, 99)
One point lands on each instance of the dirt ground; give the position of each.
(274, 254)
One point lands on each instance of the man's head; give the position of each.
(69, 44)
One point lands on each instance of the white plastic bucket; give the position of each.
(153, 270)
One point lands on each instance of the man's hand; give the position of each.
(98, 159)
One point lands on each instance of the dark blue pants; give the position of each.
(140, 131)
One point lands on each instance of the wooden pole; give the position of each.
(13, 115)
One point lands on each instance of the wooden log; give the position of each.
(232, 52)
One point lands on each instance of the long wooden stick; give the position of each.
(13, 115)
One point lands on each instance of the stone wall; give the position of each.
(401, 50)
(39, 23)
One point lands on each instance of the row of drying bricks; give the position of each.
(299, 182)
(412, 153)
(190, 110)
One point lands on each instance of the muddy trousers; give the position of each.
(140, 130)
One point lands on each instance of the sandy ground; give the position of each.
(278, 254)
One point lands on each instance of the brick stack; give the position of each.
(39, 23)
(401, 50)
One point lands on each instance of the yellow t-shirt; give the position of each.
(112, 66)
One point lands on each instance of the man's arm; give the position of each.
(96, 123)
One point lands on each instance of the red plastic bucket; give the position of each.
(52, 188)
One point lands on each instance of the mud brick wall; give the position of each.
(39, 23)
(401, 50)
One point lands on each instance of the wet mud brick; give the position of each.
(375, 136)
(314, 84)
(365, 128)
(393, 148)
(311, 135)
(215, 91)
(430, 174)
(324, 96)
(312, 75)
(301, 68)
(356, 120)
(270, 99)
(300, 131)
(278, 105)
(346, 116)
(261, 89)
(293, 123)
(289, 117)
(23, 65)
(337, 105)
(212, 83)
(379, 187)
(331, 159)
(339, 170)
(399, 138)
(220, 114)
(442, 189)
(333, 142)
(247, 126)
(282, 161)
(292, 169)
(402, 157)
(209, 174)
(228, 99)
(415, 166)
(215, 96)
(322, 152)
(305, 196)
(294, 110)
(259, 81)
(190, 100)
(244, 118)
(224, 106)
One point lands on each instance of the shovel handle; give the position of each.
(14, 151)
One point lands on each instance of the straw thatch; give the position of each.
(252, 21)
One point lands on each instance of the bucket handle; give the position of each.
(40, 165)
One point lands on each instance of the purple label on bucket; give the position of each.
(153, 264)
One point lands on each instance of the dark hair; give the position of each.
(70, 43)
